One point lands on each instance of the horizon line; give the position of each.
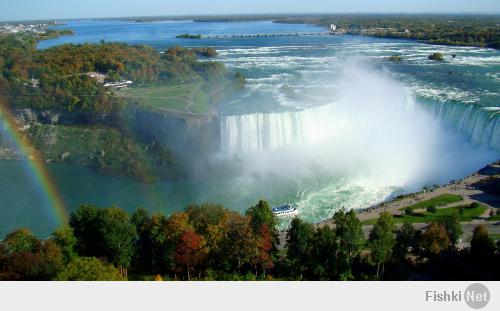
(295, 14)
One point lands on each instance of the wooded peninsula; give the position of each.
(68, 100)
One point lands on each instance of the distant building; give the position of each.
(22, 28)
(334, 30)
(119, 85)
(34, 82)
(98, 76)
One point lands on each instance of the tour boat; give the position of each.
(284, 210)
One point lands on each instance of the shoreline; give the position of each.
(463, 187)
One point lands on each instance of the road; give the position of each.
(467, 227)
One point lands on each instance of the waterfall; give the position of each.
(273, 131)
(481, 125)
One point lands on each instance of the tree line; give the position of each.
(210, 242)
(58, 77)
(69, 80)
(465, 30)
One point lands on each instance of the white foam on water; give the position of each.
(373, 138)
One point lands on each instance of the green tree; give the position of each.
(481, 245)
(203, 216)
(89, 269)
(49, 260)
(474, 205)
(406, 238)
(161, 247)
(299, 245)
(453, 227)
(118, 237)
(382, 240)
(431, 209)
(435, 240)
(351, 238)
(261, 214)
(140, 217)
(143, 256)
(66, 240)
(21, 240)
(105, 233)
(240, 244)
(112, 76)
(409, 211)
(324, 253)
(85, 224)
(24, 257)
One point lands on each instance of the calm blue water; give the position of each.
(371, 152)
(162, 34)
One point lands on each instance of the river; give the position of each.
(325, 122)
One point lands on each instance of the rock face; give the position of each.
(188, 138)
(185, 136)
(63, 117)
(177, 132)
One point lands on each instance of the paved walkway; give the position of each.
(464, 187)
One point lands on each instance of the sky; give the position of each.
(66, 9)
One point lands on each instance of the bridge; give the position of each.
(264, 35)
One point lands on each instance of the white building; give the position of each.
(119, 85)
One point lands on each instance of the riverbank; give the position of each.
(70, 114)
(453, 30)
(481, 187)
(469, 188)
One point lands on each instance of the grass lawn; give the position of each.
(495, 237)
(440, 200)
(426, 217)
(494, 218)
(188, 98)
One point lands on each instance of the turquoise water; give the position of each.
(23, 205)
(325, 122)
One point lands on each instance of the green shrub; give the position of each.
(474, 205)
(409, 211)
(431, 209)
(461, 210)
(436, 56)
(395, 58)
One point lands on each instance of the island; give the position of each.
(188, 36)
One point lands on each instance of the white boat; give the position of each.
(284, 210)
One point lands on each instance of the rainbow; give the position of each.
(36, 166)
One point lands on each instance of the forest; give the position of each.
(60, 77)
(448, 29)
(210, 242)
(464, 30)
(64, 80)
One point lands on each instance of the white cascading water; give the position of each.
(372, 141)
(481, 125)
(273, 131)
(372, 124)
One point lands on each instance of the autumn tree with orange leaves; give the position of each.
(189, 252)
